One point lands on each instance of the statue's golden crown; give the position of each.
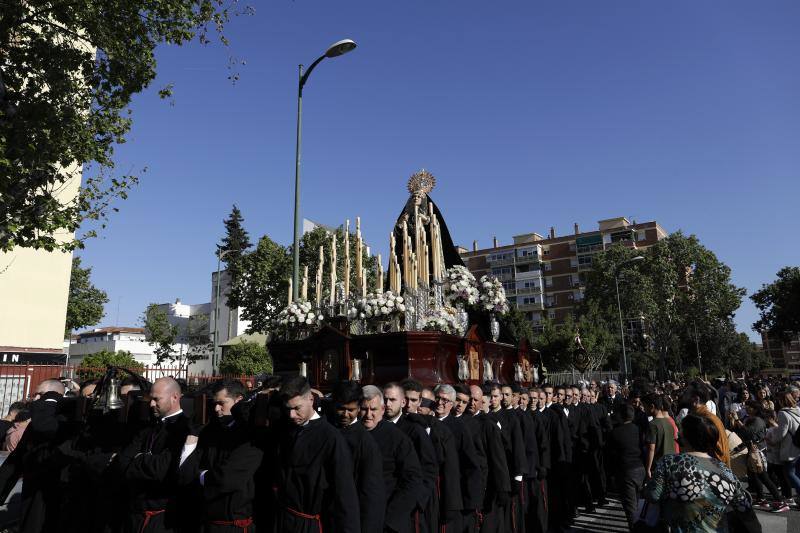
(421, 182)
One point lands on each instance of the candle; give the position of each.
(304, 292)
(333, 270)
(347, 258)
(359, 251)
(364, 283)
(319, 274)
(289, 302)
(379, 275)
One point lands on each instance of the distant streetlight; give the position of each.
(335, 50)
(619, 308)
(214, 359)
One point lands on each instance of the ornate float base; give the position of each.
(329, 356)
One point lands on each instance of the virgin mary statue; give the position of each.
(419, 185)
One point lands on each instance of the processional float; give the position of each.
(424, 317)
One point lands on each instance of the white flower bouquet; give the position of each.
(460, 286)
(378, 306)
(443, 320)
(298, 314)
(492, 295)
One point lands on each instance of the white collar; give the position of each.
(442, 418)
(395, 419)
(176, 413)
(355, 420)
(314, 416)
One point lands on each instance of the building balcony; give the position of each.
(592, 248)
(528, 259)
(531, 274)
(585, 267)
(501, 262)
(527, 290)
(531, 307)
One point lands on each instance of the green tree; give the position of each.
(68, 74)
(597, 336)
(555, 343)
(178, 345)
(94, 365)
(85, 304)
(517, 325)
(246, 358)
(263, 287)
(779, 304)
(234, 245)
(679, 286)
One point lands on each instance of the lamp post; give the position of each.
(214, 359)
(335, 50)
(619, 309)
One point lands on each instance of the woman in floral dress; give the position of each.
(695, 490)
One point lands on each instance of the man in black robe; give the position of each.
(434, 445)
(314, 477)
(367, 458)
(472, 426)
(221, 463)
(514, 445)
(561, 456)
(469, 463)
(38, 458)
(149, 465)
(538, 508)
(511, 395)
(401, 471)
(498, 480)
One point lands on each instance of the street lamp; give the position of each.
(335, 50)
(619, 308)
(214, 359)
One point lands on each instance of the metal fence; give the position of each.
(19, 382)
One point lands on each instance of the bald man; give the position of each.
(36, 456)
(149, 465)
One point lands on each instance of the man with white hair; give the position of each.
(149, 464)
(401, 471)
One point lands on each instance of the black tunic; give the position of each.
(38, 458)
(401, 475)
(149, 465)
(314, 481)
(413, 427)
(498, 479)
(446, 500)
(228, 457)
(367, 474)
(469, 464)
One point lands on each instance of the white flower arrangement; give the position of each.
(443, 320)
(492, 295)
(377, 306)
(460, 286)
(298, 314)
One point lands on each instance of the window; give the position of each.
(548, 282)
(572, 246)
(551, 314)
(529, 284)
(546, 252)
(573, 262)
(641, 235)
(585, 260)
(529, 300)
(548, 267)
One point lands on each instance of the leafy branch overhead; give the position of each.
(68, 74)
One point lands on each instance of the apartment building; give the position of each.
(785, 355)
(546, 276)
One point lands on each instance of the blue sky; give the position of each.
(530, 114)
